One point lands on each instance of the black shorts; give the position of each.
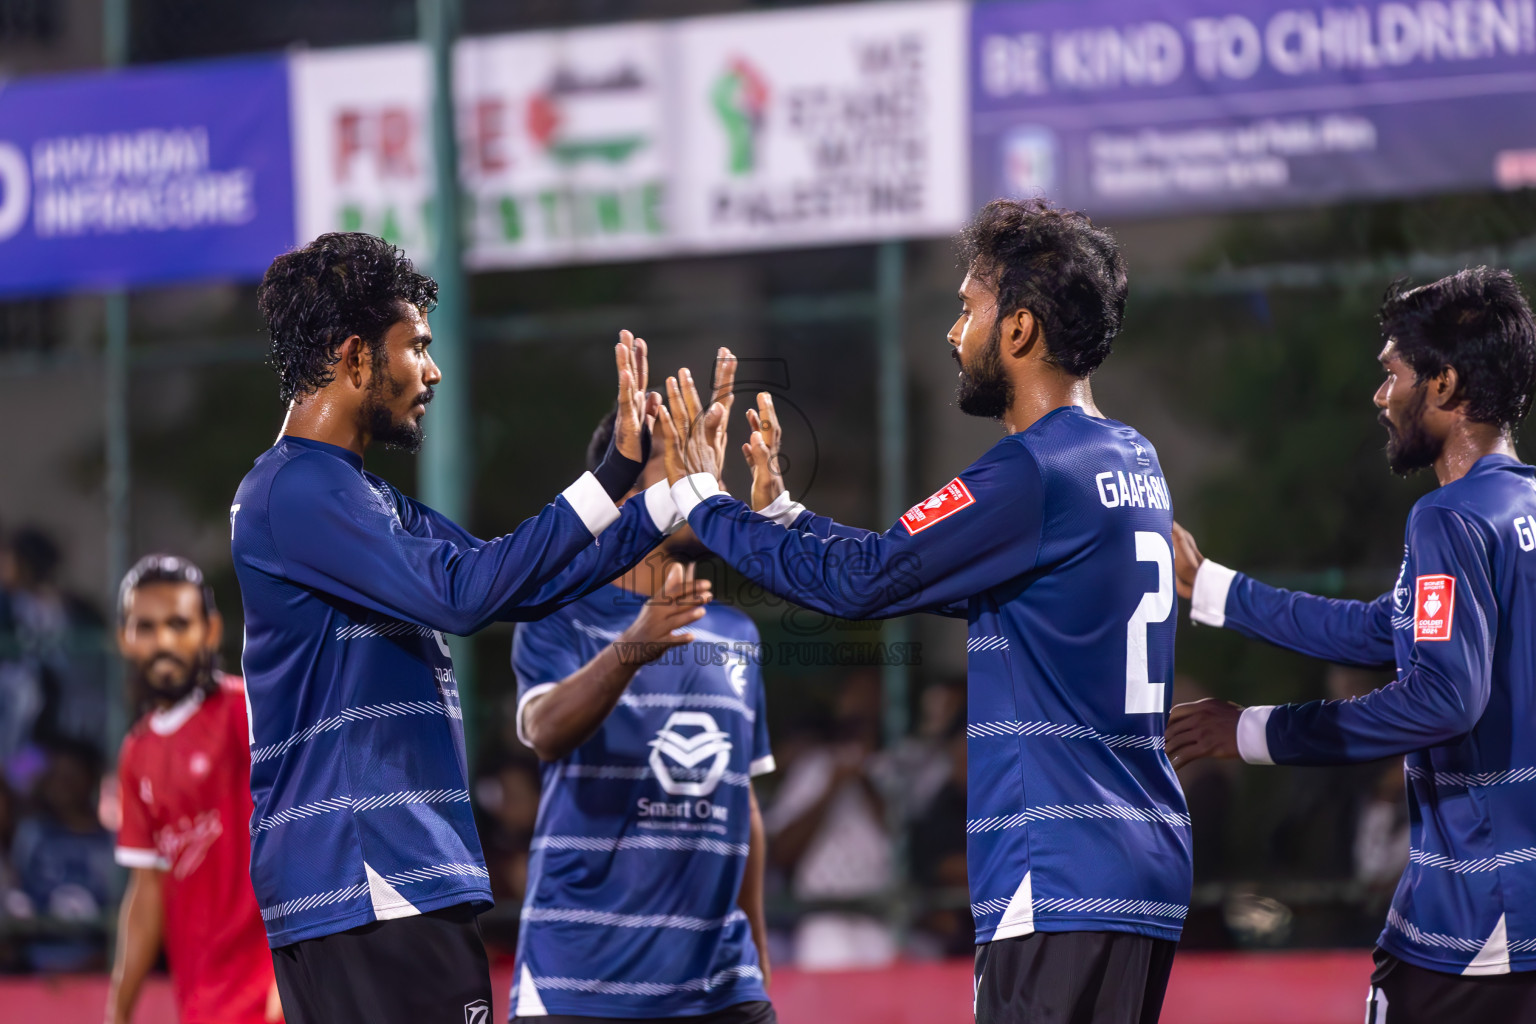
(1402, 993)
(1072, 978)
(741, 1013)
(426, 969)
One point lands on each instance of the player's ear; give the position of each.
(215, 631)
(1019, 332)
(1443, 389)
(353, 360)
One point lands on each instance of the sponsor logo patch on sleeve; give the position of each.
(949, 499)
(1434, 603)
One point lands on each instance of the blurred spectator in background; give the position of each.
(937, 845)
(1381, 831)
(826, 827)
(1318, 834)
(507, 797)
(62, 859)
(52, 663)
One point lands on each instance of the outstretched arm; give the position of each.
(333, 531)
(1347, 632)
(1438, 698)
(980, 530)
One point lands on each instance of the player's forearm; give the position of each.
(1346, 632)
(1423, 709)
(643, 522)
(841, 576)
(138, 943)
(557, 722)
(750, 900)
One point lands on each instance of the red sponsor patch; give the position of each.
(949, 499)
(1434, 600)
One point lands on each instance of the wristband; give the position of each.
(617, 473)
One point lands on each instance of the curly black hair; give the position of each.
(1478, 321)
(315, 298)
(1056, 264)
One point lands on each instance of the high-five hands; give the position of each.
(637, 409)
(692, 437)
(762, 452)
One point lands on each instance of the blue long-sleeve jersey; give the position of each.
(1055, 547)
(358, 770)
(1460, 624)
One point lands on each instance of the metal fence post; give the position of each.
(448, 454)
(895, 633)
(117, 479)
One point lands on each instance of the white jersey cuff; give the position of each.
(691, 490)
(592, 504)
(522, 706)
(1253, 734)
(132, 857)
(1208, 603)
(762, 766)
(663, 510)
(783, 510)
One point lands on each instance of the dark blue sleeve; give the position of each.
(962, 547)
(613, 553)
(826, 528)
(336, 534)
(1442, 691)
(1347, 632)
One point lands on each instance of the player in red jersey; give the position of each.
(184, 774)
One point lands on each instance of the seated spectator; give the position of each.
(59, 689)
(826, 826)
(62, 859)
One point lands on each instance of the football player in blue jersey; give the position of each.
(1460, 625)
(645, 885)
(1055, 547)
(364, 857)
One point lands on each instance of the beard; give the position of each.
(1411, 447)
(984, 390)
(401, 433)
(198, 674)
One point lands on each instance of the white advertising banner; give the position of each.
(810, 126)
(821, 125)
(362, 145)
(564, 146)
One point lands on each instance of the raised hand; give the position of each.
(762, 452)
(680, 603)
(725, 397)
(689, 433)
(636, 409)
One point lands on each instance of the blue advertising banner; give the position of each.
(1164, 106)
(144, 176)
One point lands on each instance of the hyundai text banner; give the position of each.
(1173, 105)
(144, 176)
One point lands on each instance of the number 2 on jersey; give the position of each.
(1141, 696)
